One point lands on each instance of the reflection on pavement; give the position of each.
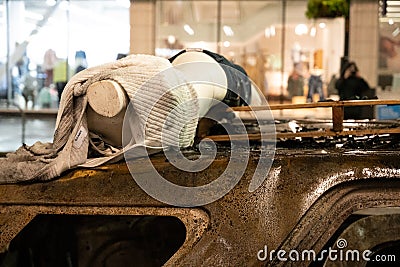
(36, 129)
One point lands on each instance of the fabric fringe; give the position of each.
(169, 121)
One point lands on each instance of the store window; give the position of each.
(45, 42)
(389, 46)
(273, 40)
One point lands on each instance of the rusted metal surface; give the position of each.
(305, 198)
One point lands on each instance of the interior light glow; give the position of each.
(228, 30)
(188, 29)
(227, 44)
(393, 3)
(64, 5)
(396, 32)
(313, 31)
(272, 30)
(32, 15)
(123, 3)
(301, 29)
(393, 9)
(267, 32)
(171, 39)
(51, 2)
(322, 25)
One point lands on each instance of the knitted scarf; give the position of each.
(155, 90)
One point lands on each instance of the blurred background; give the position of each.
(280, 44)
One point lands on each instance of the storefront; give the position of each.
(275, 42)
(389, 46)
(272, 40)
(43, 39)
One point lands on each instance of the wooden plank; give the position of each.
(337, 118)
(326, 133)
(347, 103)
(323, 133)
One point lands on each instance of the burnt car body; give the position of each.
(315, 194)
(305, 199)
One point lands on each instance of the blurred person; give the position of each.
(351, 86)
(22, 63)
(295, 82)
(30, 89)
(80, 61)
(44, 97)
(49, 61)
(295, 53)
(61, 74)
(331, 88)
(315, 85)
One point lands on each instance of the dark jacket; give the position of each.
(352, 88)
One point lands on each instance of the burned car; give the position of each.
(250, 191)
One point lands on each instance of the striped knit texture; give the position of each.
(165, 104)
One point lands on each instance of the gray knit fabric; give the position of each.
(145, 79)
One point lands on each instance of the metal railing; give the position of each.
(337, 122)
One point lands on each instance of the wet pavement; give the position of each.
(12, 133)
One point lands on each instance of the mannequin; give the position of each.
(106, 111)
(108, 101)
(208, 78)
